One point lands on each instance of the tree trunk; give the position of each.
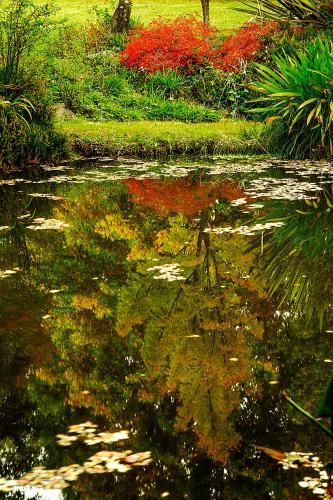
(121, 17)
(205, 10)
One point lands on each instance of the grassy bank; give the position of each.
(149, 139)
(223, 15)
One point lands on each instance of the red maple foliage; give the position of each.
(244, 45)
(183, 43)
(186, 43)
(180, 195)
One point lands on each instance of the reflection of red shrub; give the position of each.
(243, 46)
(182, 43)
(180, 195)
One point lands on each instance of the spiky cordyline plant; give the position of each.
(318, 13)
(298, 93)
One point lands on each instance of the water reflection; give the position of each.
(134, 313)
(297, 258)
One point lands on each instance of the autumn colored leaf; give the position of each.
(270, 452)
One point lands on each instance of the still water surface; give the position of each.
(176, 302)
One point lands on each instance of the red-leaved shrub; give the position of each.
(186, 43)
(182, 44)
(245, 45)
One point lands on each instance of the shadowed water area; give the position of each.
(174, 302)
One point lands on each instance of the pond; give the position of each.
(151, 317)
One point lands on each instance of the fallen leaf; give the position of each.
(275, 454)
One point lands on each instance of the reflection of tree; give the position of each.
(23, 348)
(169, 360)
(186, 196)
(189, 330)
(298, 257)
(96, 370)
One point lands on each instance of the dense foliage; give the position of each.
(187, 44)
(180, 70)
(245, 45)
(183, 43)
(298, 94)
(26, 125)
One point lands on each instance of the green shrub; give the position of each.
(221, 90)
(165, 84)
(116, 85)
(297, 99)
(160, 109)
(28, 135)
(21, 25)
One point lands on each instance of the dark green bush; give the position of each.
(27, 133)
(29, 139)
(220, 90)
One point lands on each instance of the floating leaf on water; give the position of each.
(138, 458)
(48, 196)
(275, 454)
(319, 491)
(168, 272)
(102, 462)
(113, 437)
(8, 272)
(41, 223)
(244, 230)
(238, 202)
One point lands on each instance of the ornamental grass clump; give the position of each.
(297, 99)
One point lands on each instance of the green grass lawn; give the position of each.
(222, 14)
(154, 138)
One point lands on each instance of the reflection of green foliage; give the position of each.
(326, 404)
(191, 329)
(127, 350)
(298, 254)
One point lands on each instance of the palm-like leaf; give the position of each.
(317, 12)
(299, 93)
